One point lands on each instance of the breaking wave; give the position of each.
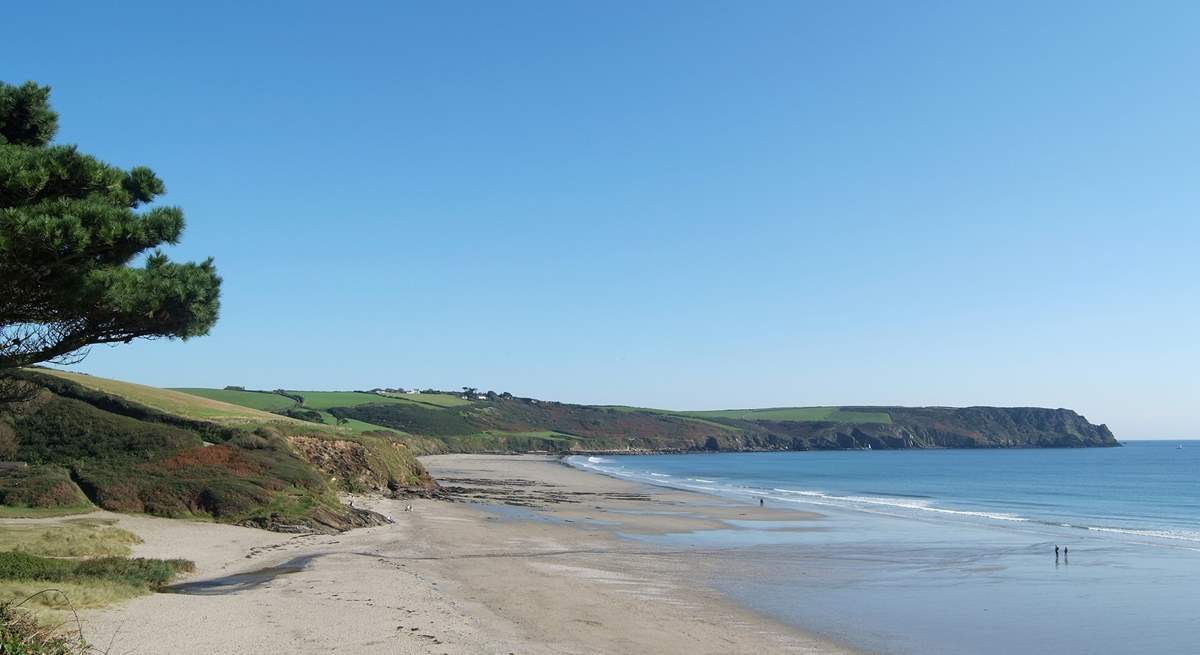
(910, 506)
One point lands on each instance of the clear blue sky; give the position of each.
(683, 205)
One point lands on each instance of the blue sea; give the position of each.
(952, 551)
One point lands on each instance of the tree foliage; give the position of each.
(72, 230)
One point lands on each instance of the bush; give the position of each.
(64, 430)
(149, 574)
(410, 418)
(301, 413)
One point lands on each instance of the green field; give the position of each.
(354, 425)
(438, 399)
(319, 401)
(234, 405)
(267, 402)
(832, 414)
(325, 399)
(322, 400)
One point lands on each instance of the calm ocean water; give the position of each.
(952, 551)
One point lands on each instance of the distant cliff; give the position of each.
(930, 427)
(520, 425)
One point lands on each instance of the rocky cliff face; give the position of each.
(931, 427)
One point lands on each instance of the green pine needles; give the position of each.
(71, 228)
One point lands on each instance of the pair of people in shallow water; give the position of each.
(1065, 550)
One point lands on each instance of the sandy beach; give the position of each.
(531, 564)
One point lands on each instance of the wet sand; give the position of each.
(533, 563)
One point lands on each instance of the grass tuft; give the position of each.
(74, 538)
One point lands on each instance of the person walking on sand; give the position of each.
(761, 503)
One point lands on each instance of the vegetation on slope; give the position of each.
(313, 406)
(78, 443)
(519, 424)
(167, 401)
(808, 414)
(33, 491)
(504, 424)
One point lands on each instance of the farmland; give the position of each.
(266, 401)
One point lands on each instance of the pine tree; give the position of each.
(72, 230)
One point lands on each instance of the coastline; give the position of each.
(544, 558)
(955, 551)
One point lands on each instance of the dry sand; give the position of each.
(452, 577)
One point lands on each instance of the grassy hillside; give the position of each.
(419, 414)
(233, 456)
(262, 400)
(313, 406)
(326, 399)
(168, 400)
(522, 424)
(438, 399)
(82, 444)
(831, 414)
(330, 399)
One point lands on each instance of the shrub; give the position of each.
(148, 574)
(302, 414)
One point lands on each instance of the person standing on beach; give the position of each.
(1056, 552)
(761, 503)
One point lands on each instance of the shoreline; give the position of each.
(909, 567)
(543, 558)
